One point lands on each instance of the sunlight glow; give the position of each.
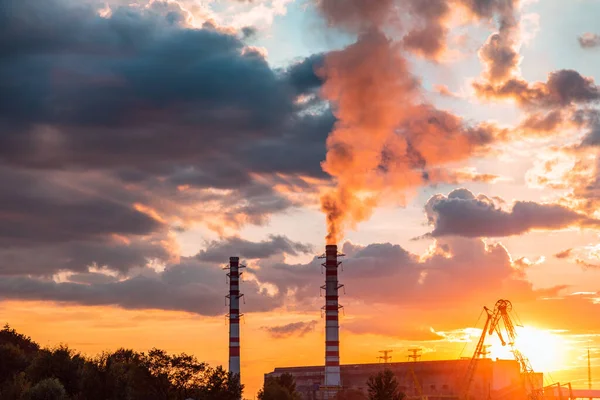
(545, 350)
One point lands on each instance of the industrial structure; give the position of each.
(234, 314)
(332, 380)
(431, 380)
(496, 320)
(469, 378)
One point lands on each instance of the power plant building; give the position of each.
(493, 379)
(431, 380)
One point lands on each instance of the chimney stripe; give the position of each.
(332, 354)
(234, 315)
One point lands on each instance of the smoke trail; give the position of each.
(370, 85)
(385, 137)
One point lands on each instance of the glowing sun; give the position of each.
(545, 350)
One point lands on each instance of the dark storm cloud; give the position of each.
(112, 91)
(69, 220)
(370, 273)
(64, 221)
(589, 40)
(463, 214)
(48, 209)
(303, 74)
(189, 286)
(139, 109)
(220, 251)
(209, 100)
(457, 270)
(299, 151)
(293, 329)
(563, 88)
(111, 253)
(379, 250)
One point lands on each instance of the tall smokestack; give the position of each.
(332, 327)
(234, 314)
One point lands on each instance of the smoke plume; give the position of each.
(371, 88)
(385, 138)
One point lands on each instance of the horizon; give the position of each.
(450, 148)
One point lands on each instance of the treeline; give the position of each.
(28, 372)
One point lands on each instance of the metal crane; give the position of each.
(502, 308)
(477, 354)
(501, 311)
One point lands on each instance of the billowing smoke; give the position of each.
(385, 138)
(372, 89)
(356, 16)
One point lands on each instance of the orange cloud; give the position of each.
(150, 212)
(443, 90)
(563, 88)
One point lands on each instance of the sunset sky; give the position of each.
(450, 148)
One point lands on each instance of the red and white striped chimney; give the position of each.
(332, 327)
(234, 314)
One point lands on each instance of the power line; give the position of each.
(414, 354)
(385, 357)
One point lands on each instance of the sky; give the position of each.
(449, 147)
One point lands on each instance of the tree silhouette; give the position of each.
(47, 389)
(282, 387)
(222, 385)
(384, 386)
(61, 363)
(12, 361)
(11, 336)
(30, 373)
(180, 374)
